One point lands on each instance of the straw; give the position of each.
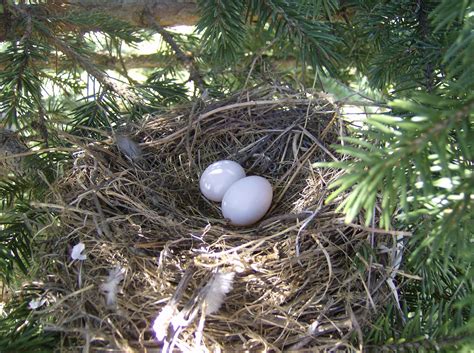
(300, 275)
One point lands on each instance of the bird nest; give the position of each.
(164, 270)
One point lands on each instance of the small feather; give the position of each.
(217, 288)
(110, 287)
(128, 147)
(77, 250)
(163, 320)
(36, 303)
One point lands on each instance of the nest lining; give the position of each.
(297, 282)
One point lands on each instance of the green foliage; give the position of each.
(458, 58)
(223, 28)
(19, 329)
(19, 221)
(414, 151)
(394, 44)
(436, 313)
(14, 244)
(416, 160)
(299, 25)
(111, 27)
(20, 86)
(161, 91)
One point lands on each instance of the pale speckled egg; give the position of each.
(247, 200)
(218, 177)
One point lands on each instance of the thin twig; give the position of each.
(105, 80)
(380, 231)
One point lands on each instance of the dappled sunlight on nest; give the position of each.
(297, 280)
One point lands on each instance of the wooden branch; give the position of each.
(105, 61)
(167, 12)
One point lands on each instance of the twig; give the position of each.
(254, 61)
(44, 150)
(84, 62)
(187, 60)
(380, 231)
(63, 299)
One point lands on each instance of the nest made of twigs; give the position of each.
(297, 281)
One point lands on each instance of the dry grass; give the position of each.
(300, 279)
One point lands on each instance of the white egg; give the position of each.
(218, 177)
(247, 200)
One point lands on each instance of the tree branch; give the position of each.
(105, 61)
(424, 32)
(167, 12)
(92, 70)
(185, 59)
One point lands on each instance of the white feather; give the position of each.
(217, 288)
(36, 303)
(77, 250)
(110, 287)
(162, 321)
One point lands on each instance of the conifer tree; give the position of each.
(413, 58)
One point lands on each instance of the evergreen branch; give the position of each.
(80, 59)
(20, 84)
(422, 344)
(223, 28)
(424, 30)
(20, 331)
(188, 61)
(290, 20)
(86, 21)
(87, 65)
(456, 17)
(448, 14)
(400, 158)
(106, 61)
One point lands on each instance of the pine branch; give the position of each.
(420, 345)
(74, 55)
(402, 159)
(187, 60)
(291, 21)
(223, 29)
(87, 65)
(40, 125)
(425, 31)
(106, 61)
(20, 331)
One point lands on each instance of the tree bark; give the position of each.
(165, 12)
(105, 61)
